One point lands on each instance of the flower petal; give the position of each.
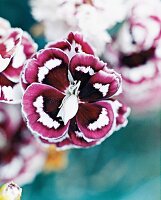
(12, 74)
(64, 45)
(48, 66)
(63, 144)
(25, 50)
(76, 136)
(4, 26)
(41, 106)
(122, 112)
(73, 45)
(78, 39)
(101, 85)
(9, 91)
(9, 124)
(95, 120)
(8, 47)
(73, 139)
(83, 66)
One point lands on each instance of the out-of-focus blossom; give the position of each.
(10, 191)
(4, 26)
(91, 17)
(15, 47)
(68, 100)
(56, 160)
(21, 158)
(136, 54)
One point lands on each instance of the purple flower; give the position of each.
(68, 97)
(135, 53)
(15, 47)
(18, 149)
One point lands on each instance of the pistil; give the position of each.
(69, 105)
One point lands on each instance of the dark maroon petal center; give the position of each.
(137, 59)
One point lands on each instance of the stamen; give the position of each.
(70, 77)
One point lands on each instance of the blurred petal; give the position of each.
(8, 47)
(9, 91)
(25, 50)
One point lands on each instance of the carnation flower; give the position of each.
(68, 100)
(135, 52)
(91, 17)
(18, 149)
(15, 47)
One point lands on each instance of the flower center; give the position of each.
(137, 59)
(69, 105)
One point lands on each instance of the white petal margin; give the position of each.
(116, 106)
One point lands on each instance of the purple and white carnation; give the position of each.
(18, 148)
(136, 54)
(15, 47)
(68, 98)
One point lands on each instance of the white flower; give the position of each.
(143, 26)
(91, 17)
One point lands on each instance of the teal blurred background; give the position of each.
(125, 167)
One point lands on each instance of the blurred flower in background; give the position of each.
(21, 157)
(91, 17)
(15, 47)
(55, 160)
(136, 54)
